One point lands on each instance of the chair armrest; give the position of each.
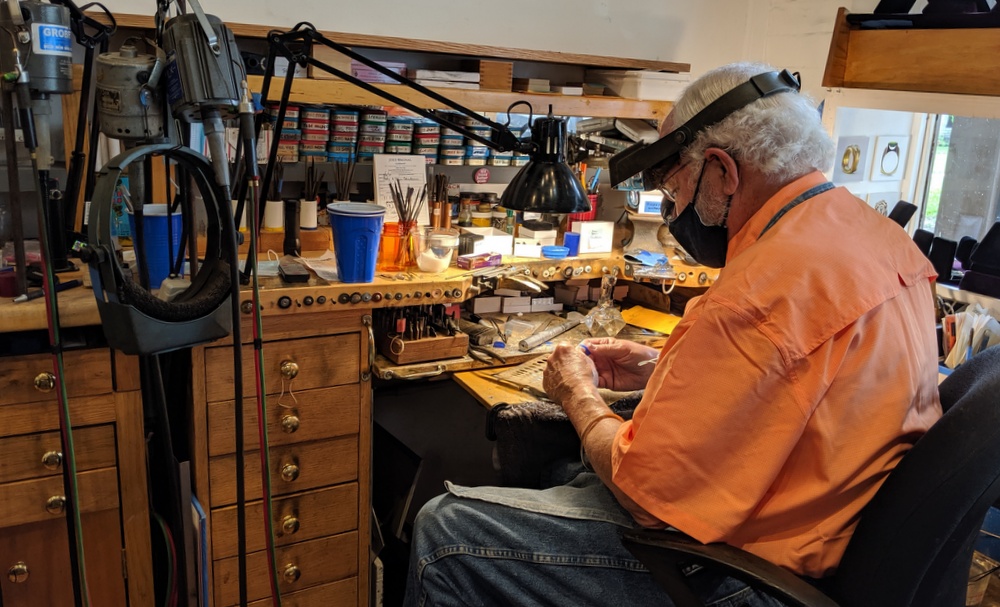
(664, 553)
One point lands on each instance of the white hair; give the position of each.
(781, 136)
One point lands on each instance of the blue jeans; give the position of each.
(475, 551)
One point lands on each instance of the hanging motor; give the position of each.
(39, 59)
(129, 107)
(204, 71)
(128, 98)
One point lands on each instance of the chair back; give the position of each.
(902, 212)
(913, 546)
(923, 240)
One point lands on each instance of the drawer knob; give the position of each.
(289, 423)
(18, 573)
(56, 504)
(291, 573)
(45, 382)
(289, 472)
(52, 460)
(289, 369)
(289, 524)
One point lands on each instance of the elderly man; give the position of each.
(775, 410)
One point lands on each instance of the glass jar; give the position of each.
(395, 251)
(465, 214)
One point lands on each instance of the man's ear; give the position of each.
(727, 167)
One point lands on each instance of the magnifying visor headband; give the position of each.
(654, 160)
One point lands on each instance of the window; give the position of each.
(963, 182)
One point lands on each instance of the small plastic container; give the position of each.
(554, 252)
(434, 248)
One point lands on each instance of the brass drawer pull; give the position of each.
(289, 423)
(289, 472)
(56, 504)
(289, 524)
(45, 382)
(18, 573)
(291, 573)
(289, 369)
(52, 460)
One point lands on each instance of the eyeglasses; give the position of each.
(670, 192)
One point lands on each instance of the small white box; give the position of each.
(485, 305)
(641, 84)
(494, 241)
(595, 236)
(544, 237)
(650, 203)
(527, 247)
(553, 307)
(281, 68)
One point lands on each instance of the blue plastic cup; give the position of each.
(154, 240)
(357, 227)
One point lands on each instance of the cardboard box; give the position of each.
(566, 294)
(543, 237)
(493, 75)
(494, 241)
(478, 260)
(330, 57)
(595, 236)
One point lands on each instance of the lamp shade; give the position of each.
(546, 184)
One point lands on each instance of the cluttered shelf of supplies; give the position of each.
(323, 89)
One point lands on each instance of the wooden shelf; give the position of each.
(435, 46)
(923, 60)
(308, 90)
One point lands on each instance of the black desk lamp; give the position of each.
(546, 184)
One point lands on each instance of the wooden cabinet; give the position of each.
(317, 374)
(111, 476)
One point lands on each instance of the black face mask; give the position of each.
(706, 244)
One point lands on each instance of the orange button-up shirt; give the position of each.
(791, 387)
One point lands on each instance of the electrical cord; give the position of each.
(248, 134)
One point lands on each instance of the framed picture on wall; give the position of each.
(883, 202)
(851, 159)
(889, 160)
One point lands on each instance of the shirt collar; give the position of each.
(751, 230)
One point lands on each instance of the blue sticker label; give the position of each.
(51, 39)
(651, 206)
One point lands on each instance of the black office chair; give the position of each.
(923, 239)
(913, 546)
(902, 212)
(942, 256)
(966, 245)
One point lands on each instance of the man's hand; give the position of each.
(617, 362)
(569, 375)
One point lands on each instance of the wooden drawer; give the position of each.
(88, 372)
(44, 549)
(313, 465)
(313, 415)
(297, 518)
(338, 594)
(21, 456)
(300, 566)
(322, 362)
(25, 502)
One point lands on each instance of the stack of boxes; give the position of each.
(371, 134)
(289, 134)
(451, 150)
(476, 153)
(399, 136)
(426, 138)
(343, 135)
(315, 121)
